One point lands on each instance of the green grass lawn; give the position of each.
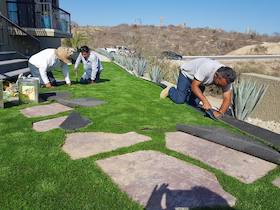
(36, 174)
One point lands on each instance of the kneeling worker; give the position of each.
(92, 66)
(194, 76)
(42, 64)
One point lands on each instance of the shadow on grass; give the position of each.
(196, 198)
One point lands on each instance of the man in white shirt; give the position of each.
(193, 78)
(92, 66)
(42, 64)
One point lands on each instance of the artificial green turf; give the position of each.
(36, 174)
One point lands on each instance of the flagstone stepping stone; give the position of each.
(82, 145)
(244, 167)
(158, 181)
(276, 182)
(74, 121)
(47, 125)
(45, 110)
(84, 102)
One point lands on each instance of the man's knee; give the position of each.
(180, 100)
(177, 96)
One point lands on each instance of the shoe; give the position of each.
(165, 92)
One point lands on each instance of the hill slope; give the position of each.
(151, 40)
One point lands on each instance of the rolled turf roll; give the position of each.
(234, 141)
(267, 136)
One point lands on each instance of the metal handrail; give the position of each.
(19, 28)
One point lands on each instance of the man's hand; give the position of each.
(49, 85)
(206, 105)
(217, 114)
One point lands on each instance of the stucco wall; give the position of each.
(269, 107)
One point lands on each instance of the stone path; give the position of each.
(158, 181)
(81, 145)
(245, 168)
(47, 125)
(45, 110)
(276, 182)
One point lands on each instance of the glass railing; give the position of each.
(38, 15)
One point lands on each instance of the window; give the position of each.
(12, 11)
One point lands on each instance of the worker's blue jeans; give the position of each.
(36, 73)
(183, 92)
(87, 81)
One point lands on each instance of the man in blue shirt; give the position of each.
(92, 66)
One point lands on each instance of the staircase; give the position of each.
(12, 64)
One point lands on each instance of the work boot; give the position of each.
(164, 93)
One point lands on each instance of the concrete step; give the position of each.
(14, 73)
(11, 65)
(9, 55)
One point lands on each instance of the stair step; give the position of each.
(9, 55)
(11, 65)
(14, 73)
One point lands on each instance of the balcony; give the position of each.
(41, 19)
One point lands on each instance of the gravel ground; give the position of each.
(269, 125)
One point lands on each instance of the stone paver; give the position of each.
(158, 181)
(244, 167)
(81, 145)
(47, 125)
(45, 110)
(276, 182)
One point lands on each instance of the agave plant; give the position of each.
(156, 74)
(246, 96)
(140, 67)
(129, 63)
(118, 59)
(105, 53)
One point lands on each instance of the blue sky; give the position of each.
(262, 16)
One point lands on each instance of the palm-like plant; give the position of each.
(76, 41)
(246, 96)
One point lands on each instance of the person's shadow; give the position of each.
(198, 197)
(103, 80)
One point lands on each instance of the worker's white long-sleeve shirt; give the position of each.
(46, 60)
(91, 66)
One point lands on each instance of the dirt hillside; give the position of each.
(152, 40)
(266, 48)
